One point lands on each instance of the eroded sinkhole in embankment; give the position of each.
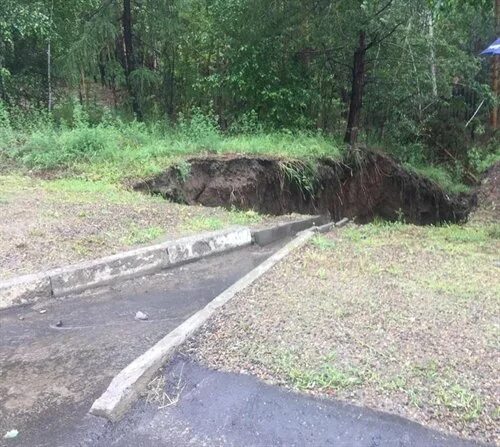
(372, 186)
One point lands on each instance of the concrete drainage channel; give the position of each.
(133, 379)
(90, 344)
(28, 289)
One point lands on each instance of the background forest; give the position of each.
(126, 84)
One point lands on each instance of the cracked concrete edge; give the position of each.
(28, 289)
(268, 235)
(127, 385)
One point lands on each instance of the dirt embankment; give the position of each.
(366, 187)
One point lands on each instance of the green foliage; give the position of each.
(482, 158)
(184, 169)
(114, 150)
(200, 127)
(269, 74)
(442, 177)
(302, 174)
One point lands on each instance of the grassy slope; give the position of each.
(396, 317)
(119, 152)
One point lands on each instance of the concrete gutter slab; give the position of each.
(24, 289)
(76, 278)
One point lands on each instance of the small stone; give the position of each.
(43, 311)
(141, 316)
(11, 434)
(21, 317)
(59, 323)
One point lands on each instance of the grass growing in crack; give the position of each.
(156, 390)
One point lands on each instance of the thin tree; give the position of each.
(130, 60)
(358, 81)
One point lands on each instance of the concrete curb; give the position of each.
(287, 229)
(58, 282)
(131, 381)
(327, 227)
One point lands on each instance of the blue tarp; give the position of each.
(494, 48)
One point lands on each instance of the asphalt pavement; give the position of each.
(57, 357)
(224, 409)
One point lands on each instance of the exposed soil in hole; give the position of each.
(374, 185)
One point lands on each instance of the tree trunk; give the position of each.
(358, 84)
(3, 93)
(49, 76)
(49, 63)
(432, 55)
(130, 56)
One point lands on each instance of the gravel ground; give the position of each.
(391, 316)
(51, 223)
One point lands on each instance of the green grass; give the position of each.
(328, 377)
(121, 151)
(117, 152)
(137, 235)
(460, 400)
(235, 217)
(446, 237)
(463, 252)
(322, 242)
(442, 177)
(84, 191)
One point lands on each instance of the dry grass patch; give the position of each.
(396, 317)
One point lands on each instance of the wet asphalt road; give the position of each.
(49, 375)
(223, 409)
